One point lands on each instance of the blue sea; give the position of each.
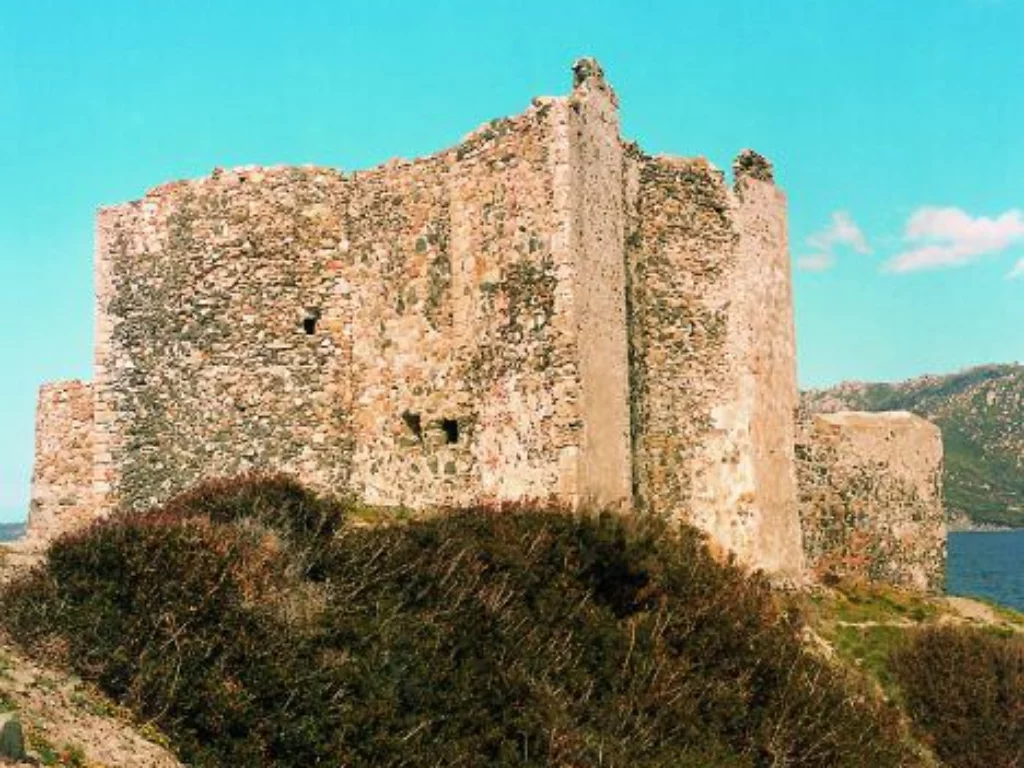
(987, 564)
(11, 531)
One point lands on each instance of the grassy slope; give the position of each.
(981, 413)
(867, 626)
(863, 624)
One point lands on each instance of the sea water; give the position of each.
(987, 564)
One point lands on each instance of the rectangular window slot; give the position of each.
(451, 430)
(310, 320)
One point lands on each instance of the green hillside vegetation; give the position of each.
(257, 624)
(974, 716)
(959, 678)
(981, 414)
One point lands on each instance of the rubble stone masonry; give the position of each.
(713, 361)
(437, 332)
(542, 312)
(62, 476)
(871, 498)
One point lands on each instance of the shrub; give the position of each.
(964, 688)
(519, 637)
(306, 520)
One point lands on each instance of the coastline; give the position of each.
(966, 526)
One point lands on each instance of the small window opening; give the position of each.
(451, 430)
(310, 320)
(412, 421)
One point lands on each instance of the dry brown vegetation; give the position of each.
(255, 627)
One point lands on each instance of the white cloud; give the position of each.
(842, 232)
(817, 262)
(1017, 271)
(950, 237)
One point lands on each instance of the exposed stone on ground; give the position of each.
(62, 716)
(12, 738)
(971, 611)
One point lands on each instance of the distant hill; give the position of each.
(11, 531)
(981, 413)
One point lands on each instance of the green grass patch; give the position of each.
(870, 648)
(865, 603)
(961, 686)
(7, 703)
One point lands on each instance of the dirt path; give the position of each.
(975, 611)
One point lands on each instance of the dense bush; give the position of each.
(965, 689)
(257, 629)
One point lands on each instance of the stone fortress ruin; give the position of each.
(542, 312)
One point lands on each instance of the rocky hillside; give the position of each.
(981, 413)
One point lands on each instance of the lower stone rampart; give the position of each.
(871, 498)
(62, 497)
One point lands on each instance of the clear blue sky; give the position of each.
(897, 129)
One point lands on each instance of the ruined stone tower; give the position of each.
(540, 312)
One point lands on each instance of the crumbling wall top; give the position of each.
(876, 420)
(587, 75)
(753, 165)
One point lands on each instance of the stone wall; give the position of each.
(763, 338)
(202, 364)
(62, 497)
(541, 312)
(597, 219)
(712, 357)
(870, 498)
(443, 331)
(466, 321)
